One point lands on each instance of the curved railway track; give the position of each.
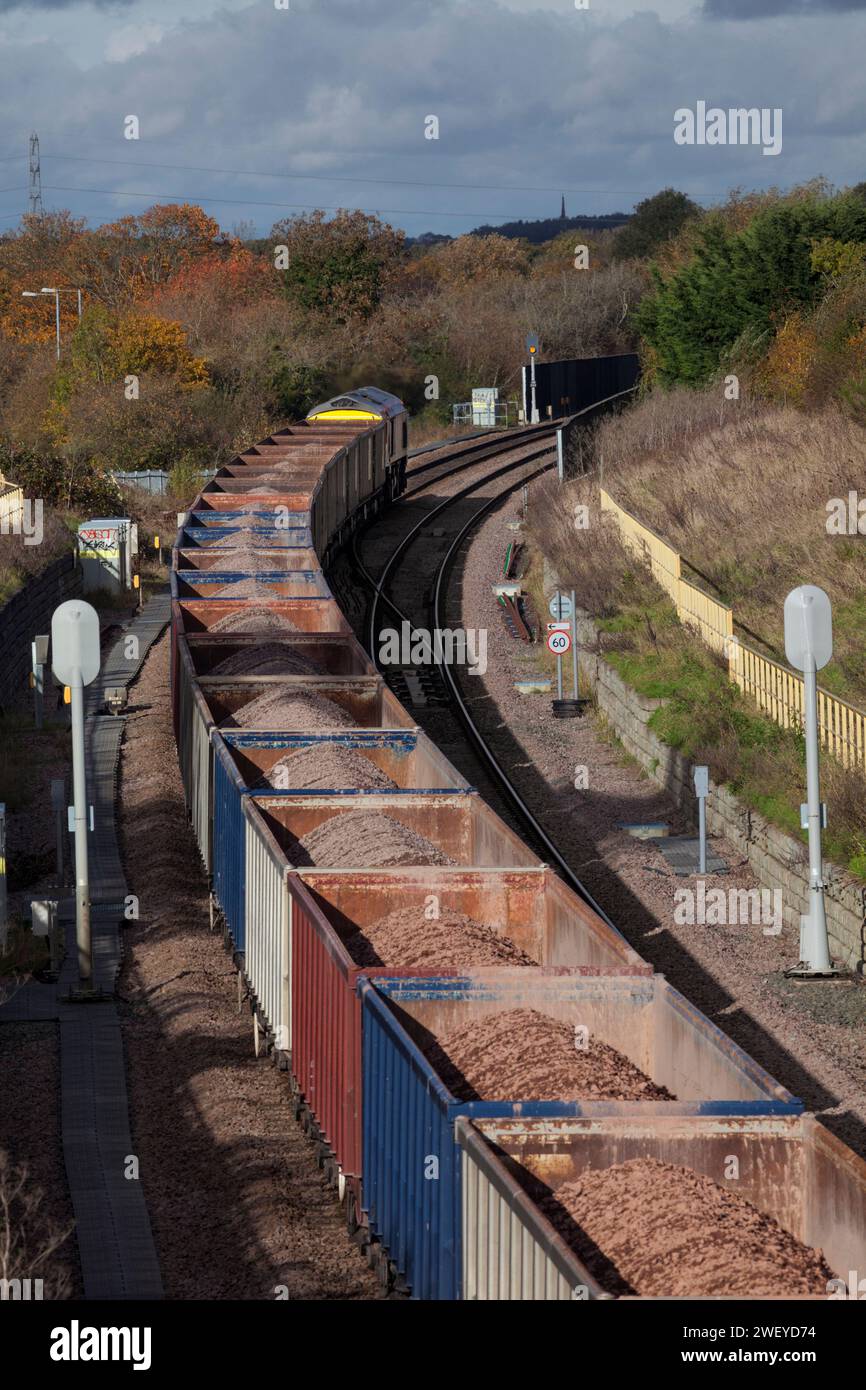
(378, 586)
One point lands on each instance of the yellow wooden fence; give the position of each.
(776, 689)
(11, 506)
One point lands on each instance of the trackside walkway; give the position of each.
(115, 1243)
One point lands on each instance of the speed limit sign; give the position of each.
(559, 642)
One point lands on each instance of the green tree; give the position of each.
(656, 220)
(294, 388)
(338, 268)
(741, 283)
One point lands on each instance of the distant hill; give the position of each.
(428, 239)
(550, 227)
(544, 229)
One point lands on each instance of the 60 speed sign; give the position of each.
(559, 642)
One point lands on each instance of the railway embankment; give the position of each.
(777, 860)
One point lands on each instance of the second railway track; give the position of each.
(432, 689)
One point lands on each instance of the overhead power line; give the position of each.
(259, 203)
(353, 178)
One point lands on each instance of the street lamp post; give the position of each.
(50, 289)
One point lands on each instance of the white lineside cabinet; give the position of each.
(106, 546)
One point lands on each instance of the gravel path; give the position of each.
(810, 1038)
(238, 1205)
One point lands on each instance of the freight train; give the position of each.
(446, 1195)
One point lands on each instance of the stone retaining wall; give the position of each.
(776, 859)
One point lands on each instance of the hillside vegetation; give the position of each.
(746, 453)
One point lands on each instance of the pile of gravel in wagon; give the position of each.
(453, 940)
(368, 839)
(523, 1054)
(245, 588)
(254, 562)
(329, 766)
(254, 618)
(291, 711)
(242, 538)
(656, 1229)
(245, 538)
(270, 659)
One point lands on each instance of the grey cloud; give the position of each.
(6, 6)
(764, 9)
(532, 99)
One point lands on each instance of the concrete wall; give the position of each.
(776, 859)
(27, 614)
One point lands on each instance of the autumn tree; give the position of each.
(111, 347)
(39, 253)
(338, 267)
(469, 259)
(124, 261)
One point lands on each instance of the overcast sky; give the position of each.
(532, 99)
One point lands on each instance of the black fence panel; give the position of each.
(561, 388)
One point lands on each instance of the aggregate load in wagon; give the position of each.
(240, 538)
(290, 710)
(242, 588)
(253, 618)
(254, 561)
(261, 488)
(405, 938)
(328, 766)
(270, 659)
(523, 1054)
(367, 839)
(656, 1229)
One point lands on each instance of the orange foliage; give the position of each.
(140, 343)
(785, 370)
(125, 261)
(237, 277)
(473, 258)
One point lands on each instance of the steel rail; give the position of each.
(496, 444)
(378, 585)
(463, 463)
(476, 739)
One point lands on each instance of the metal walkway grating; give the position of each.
(682, 853)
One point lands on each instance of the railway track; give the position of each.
(475, 451)
(479, 746)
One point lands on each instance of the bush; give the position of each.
(741, 282)
(68, 484)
